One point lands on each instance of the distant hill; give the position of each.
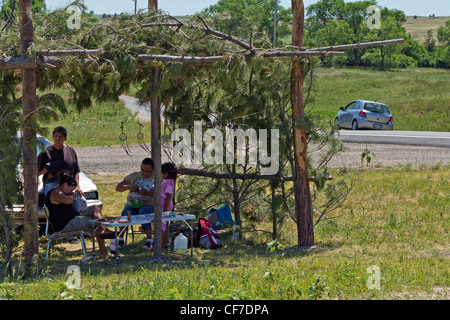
(419, 27)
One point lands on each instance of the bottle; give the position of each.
(129, 215)
(180, 243)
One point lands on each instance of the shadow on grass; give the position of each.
(134, 258)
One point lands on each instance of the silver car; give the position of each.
(363, 114)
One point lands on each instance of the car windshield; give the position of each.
(377, 107)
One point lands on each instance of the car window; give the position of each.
(350, 105)
(377, 107)
(356, 105)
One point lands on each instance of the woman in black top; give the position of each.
(65, 218)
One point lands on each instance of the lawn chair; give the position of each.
(62, 235)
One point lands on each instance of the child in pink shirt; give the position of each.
(169, 174)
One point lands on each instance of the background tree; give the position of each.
(10, 8)
(443, 34)
(249, 18)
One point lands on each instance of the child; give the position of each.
(169, 174)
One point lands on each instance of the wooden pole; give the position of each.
(152, 5)
(239, 176)
(184, 59)
(156, 154)
(303, 207)
(31, 236)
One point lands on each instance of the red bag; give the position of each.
(209, 237)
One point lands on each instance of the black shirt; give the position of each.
(55, 160)
(60, 214)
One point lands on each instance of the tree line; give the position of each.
(335, 22)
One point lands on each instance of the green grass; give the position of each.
(397, 224)
(99, 125)
(418, 98)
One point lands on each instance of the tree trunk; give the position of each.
(274, 214)
(8, 244)
(31, 236)
(301, 182)
(152, 5)
(236, 200)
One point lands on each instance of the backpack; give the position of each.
(209, 237)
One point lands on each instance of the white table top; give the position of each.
(143, 219)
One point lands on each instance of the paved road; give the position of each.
(411, 138)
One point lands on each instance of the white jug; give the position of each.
(112, 245)
(180, 244)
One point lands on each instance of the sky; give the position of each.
(188, 7)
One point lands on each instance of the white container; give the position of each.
(180, 244)
(112, 245)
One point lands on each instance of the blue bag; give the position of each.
(224, 218)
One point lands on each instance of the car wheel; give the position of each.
(355, 125)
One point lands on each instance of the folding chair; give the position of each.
(62, 235)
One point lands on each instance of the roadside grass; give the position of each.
(396, 218)
(419, 99)
(100, 125)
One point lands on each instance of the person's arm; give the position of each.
(41, 159)
(78, 188)
(167, 202)
(58, 197)
(43, 171)
(124, 185)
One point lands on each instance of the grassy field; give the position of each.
(418, 98)
(99, 125)
(419, 27)
(398, 225)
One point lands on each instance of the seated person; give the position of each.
(139, 184)
(65, 218)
